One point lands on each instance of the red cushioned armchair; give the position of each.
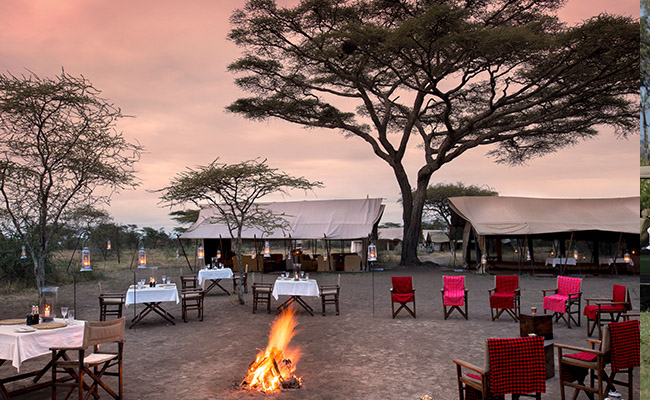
(454, 295)
(615, 307)
(403, 293)
(505, 296)
(566, 300)
(512, 366)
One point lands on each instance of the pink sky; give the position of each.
(164, 62)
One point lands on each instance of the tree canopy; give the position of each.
(59, 145)
(234, 190)
(443, 76)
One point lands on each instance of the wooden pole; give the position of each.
(618, 246)
(184, 254)
(566, 258)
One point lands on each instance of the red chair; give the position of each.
(615, 307)
(619, 348)
(403, 293)
(512, 366)
(505, 296)
(454, 295)
(563, 303)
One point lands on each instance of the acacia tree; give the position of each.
(59, 145)
(444, 76)
(233, 190)
(645, 75)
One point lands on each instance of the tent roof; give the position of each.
(645, 172)
(390, 233)
(314, 219)
(525, 216)
(436, 236)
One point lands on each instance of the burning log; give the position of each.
(273, 368)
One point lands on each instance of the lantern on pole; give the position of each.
(177, 255)
(142, 258)
(267, 249)
(484, 260)
(108, 244)
(218, 254)
(575, 253)
(372, 252)
(626, 257)
(23, 253)
(528, 255)
(85, 260)
(200, 253)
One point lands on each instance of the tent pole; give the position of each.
(521, 255)
(329, 258)
(223, 252)
(566, 258)
(184, 254)
(618, 247)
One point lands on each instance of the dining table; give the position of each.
(152, 297)
(214, 275)
(20, 342)
(295, 289)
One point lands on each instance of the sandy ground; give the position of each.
(361, 354)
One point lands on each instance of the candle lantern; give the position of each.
(626, 257)
(484, 259)
(85, 260)
(108, 244)
(575, 253)
(23, 253)
(218, 254)
(372, 252)
(267, 249)
(177, 255)
(142, 258)
(528, 255)
(552, 253)
(325, 257)
(48, 299)
(200, 253)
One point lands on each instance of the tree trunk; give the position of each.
(39, 271)
(644, 123)
(413, 205)
(240, 288)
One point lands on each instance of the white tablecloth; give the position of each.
(19, 347)
(205, 274)
(152, 294)
(289, 287)
(560, 261)
(610, 261)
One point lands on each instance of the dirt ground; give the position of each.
(361, 354)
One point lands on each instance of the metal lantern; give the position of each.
(552, 253)
(372, 252)
(267, 249)
(626, 257)
(200, 253)
(108, 244)
(142, 258)
(528, 255)
(23, 253)
(575, 253)
(218, 254)
(325, 257)
(177, 255)
(85, 260)
(484, 259)
(48, 299)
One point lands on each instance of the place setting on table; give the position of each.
(295, 285)
(152, 294)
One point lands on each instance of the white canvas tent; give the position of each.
(645, 172)
(310, 219)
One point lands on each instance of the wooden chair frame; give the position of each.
(613, 316)
(514, 312)
(95, 365)
(262, 294)
(111, 304)
(575, 299)
(328, 297)
(192, 299)
(189, 282)
(447, 312)
(402, 305)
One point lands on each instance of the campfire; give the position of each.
(273, 368)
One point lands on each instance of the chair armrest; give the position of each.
(67, 348)
(192, 290)
(115, 295)
(596, 299)
(549, 290)
(577, 294)
(329, 286)
(594, 342)
(576, 348)
(491, 290)
(470, 367)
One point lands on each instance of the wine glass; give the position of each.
(64, 312)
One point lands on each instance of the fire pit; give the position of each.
(273, 368)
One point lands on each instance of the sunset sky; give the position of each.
(164, 63)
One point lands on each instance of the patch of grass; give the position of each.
(645, 355)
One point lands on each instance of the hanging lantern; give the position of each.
(575, 253)
(325, 257)
(552, 253)
(108, 244)
(218, 254)
(516, 250)
(200, 253)
(177, 255)
(528, 255)
(23, 253)
(85, 260)
(267, 249)
(626, 257)
(372, 252)
(142, 258)
(484, 259)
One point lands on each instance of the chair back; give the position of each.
(506, 283)
(188, 282)
(566, 285)
(402, 284)
(453, 283)
(338, 282)
(621, 295)
(625, 344)
(98, 332)
(516, 365)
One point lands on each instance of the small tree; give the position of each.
(234, 190)
(59, 145)
(436, 204)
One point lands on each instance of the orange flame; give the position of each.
(273, 368)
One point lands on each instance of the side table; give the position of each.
(540, 324)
